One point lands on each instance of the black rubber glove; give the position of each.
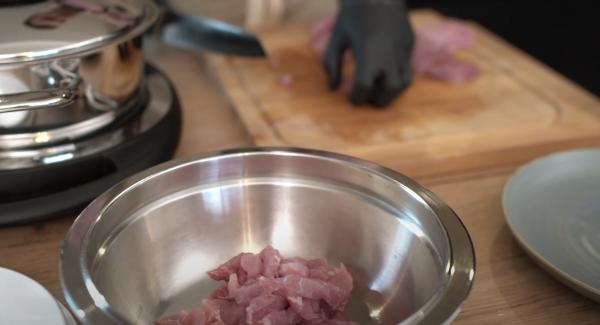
(381, 38)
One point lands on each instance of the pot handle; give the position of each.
(40, 99)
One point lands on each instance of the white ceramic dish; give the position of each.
(552, 206)
(23, 301)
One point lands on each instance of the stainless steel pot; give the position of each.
(82, 63)
(141, 249)
(74, 47)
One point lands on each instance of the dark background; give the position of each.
(562, 34)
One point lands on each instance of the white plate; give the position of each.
(23, 301)
(552, 206)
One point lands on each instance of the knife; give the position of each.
(205, 34)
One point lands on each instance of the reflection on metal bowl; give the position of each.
(141, 250)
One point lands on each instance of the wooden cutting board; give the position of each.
(518, 109)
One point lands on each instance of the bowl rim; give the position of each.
(90, 307)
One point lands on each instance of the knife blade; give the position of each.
(206, 34)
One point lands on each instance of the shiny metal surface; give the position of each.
(552, 208)
(160, 100)
(101, 40)
(41, 99)
(62, 105)
(63, 132)
(102, 37)
(51, 30)
(113, 75)
(70, 132)
(141, 249)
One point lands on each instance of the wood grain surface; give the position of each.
(509, 288)
(516, 104)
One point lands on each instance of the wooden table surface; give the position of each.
(509, 288)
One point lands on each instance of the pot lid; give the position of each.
(46, 30)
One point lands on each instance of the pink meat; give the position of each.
(342, 279)
(318, 262)
(261, 306)
(234, 265)
(268, 289)
(212, 311)
(233, 285)
(221, 311)
(316, 289)
(264, 286)
(327, 322)
(281, 317)
(252, 264)
(222, 292)
(442, 38)
(338, 322)
(192, 317)
(433, 55)
(319, 273)
(297, 286)
(226, 269)
(434, 51)
(308, 309)
(319, 269)
(293, 267)
(454, 72)
(295, 259)
(270, 261)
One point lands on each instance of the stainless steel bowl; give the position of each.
(141, 249)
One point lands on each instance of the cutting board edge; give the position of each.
(242, 101)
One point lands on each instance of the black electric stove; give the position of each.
(44, 180)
